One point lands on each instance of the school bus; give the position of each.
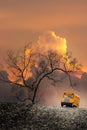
(70, 99)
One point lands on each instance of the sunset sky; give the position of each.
(25, 20)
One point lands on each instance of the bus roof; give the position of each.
(68, 92)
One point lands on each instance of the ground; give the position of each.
(41, 117)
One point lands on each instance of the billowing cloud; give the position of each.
(50, 41)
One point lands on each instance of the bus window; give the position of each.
(68, 95)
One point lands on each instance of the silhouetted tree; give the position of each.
(28, 67)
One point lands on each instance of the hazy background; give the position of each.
(48, 93)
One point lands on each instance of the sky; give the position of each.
(22, 21)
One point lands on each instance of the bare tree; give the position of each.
(28, 67)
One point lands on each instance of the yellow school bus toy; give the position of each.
(70, 99)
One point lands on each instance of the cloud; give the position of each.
(50, 41)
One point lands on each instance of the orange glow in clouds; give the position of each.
(50, 41)
(84, 69)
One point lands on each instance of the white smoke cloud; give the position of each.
(50, 41)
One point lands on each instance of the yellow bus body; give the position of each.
(70, 99)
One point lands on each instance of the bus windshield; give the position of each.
(68, 95)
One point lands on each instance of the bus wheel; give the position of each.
(61, 105)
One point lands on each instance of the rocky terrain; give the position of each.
(41, 117)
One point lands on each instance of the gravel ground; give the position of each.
(40, 117)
